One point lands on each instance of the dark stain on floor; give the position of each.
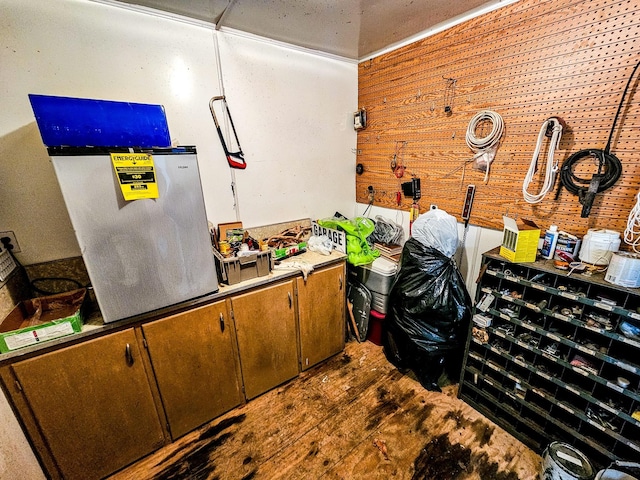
(387, 405)
(193, 460)
(482, 430)
(421, 417)
(439, 459)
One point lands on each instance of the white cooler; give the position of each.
(378, 278)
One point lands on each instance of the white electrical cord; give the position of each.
(551, 168)
(632, 232)
(485, 147)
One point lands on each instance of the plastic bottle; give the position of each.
(549, 242)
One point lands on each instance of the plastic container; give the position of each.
(598, 246)
(567, 248)
(80, 122)
(549, 242)
(238, 269)
(377, 276)
(379, 301)
(375, 327)
(624, 270)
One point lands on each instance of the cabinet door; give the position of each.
(93, 404)
(195, 364)
(267, 338)
(321, 312)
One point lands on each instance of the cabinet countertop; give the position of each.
(94, 326)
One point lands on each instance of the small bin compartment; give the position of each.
(234, 270)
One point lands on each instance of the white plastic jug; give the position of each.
(598, 245)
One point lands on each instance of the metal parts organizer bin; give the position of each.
(548, 359)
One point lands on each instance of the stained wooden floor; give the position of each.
(353, 417)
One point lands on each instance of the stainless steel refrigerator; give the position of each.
(142, 254)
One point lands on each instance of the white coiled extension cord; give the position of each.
(485, 147)
(632, 232)
(552, 166)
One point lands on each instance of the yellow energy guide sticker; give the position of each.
(136, 175)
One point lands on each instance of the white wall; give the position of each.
(292, 110)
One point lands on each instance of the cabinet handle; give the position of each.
(340, 281)
(221, 322)
(290, 299)
(128, 355)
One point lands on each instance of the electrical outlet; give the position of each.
(12, 242)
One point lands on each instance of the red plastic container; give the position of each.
(374, 335)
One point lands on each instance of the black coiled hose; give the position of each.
(610, 163)
(609, 171)
(609, 166)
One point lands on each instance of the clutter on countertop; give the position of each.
(303, 267)
(240, 256)
(320, 243)
(357, 230)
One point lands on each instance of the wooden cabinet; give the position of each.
(321, 313)
(96, 406)
(195, 364)
(92, 404)
(549, 358)
(265, 323)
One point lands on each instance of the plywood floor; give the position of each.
(353, 417)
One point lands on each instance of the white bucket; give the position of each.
(624, 270)
(561, 461)
(598, 246)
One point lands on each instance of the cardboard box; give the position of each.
(234, 270)
(44, 318)
(519, 240)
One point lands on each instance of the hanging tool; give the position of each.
(235, 159)
(412, 189)
(398, 170)
(609, 166)
(552, 128)
(466, 215)
(449, 94)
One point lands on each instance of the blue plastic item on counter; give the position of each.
(82, 122)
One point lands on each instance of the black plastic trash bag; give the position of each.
(430, 310)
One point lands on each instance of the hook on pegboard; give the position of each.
(449, 95)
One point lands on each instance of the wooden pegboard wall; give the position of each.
(527, 61)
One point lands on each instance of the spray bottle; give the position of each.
(549, 242)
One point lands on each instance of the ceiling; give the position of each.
(354, 29)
